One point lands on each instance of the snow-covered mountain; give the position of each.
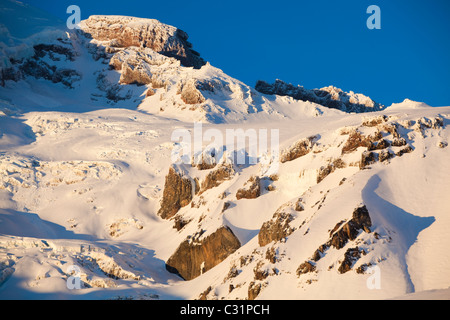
(93, 205)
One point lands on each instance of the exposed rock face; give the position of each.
(330, 97)
(367, 158)
(134, 75)
(356, 140)
(135, 65)
(146, 33)
(305, 267)
(340, 235)
(254, 289)
(38, 68)
(178, 192)
(350, 230)
(193, 257)
(275, 229)
(350, 257)
(189, 93)
(252, 190)
(324, 171)
(298, 149)
(217, 176)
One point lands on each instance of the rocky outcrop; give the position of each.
(178, 192)
(135, 74)
(350, 257)
(40, 68)
(330, 97)
(324, 171)
(340, 235)
(305, 267)
(189, 92)
(146, 33)
(194, 257)
(357, 140)
(251, 190)
(367, 158)
(254, 289)
(298, 149)
(276, 228)
(220, 174)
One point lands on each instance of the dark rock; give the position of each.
(220, 174)
(319, 253)
(443, 144)
(376, 121)
(357, 140)
(193, 257)
(299, 149)
(299, 205)
(385, 155)
(41, 50)
(324, 171)
(379, 145)
(305, 267)
(260, 274)
(276, 228)
(407, 149)
(251, 191)
(330, 97)
(367, 158)
(254, 289)
(180, 223)
(399, 142)
(350, 230)
(178, 192)
(226, 205)
(204, 294)
(350, 257)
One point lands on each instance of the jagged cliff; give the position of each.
(330, 97)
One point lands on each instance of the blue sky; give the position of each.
(311, 43)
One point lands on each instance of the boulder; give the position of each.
(178, 192)
(194, 257)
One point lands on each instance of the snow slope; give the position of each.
(83, 169)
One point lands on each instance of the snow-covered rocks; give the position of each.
(330, 97)
(146, 33)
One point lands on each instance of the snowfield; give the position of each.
(358, 207)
